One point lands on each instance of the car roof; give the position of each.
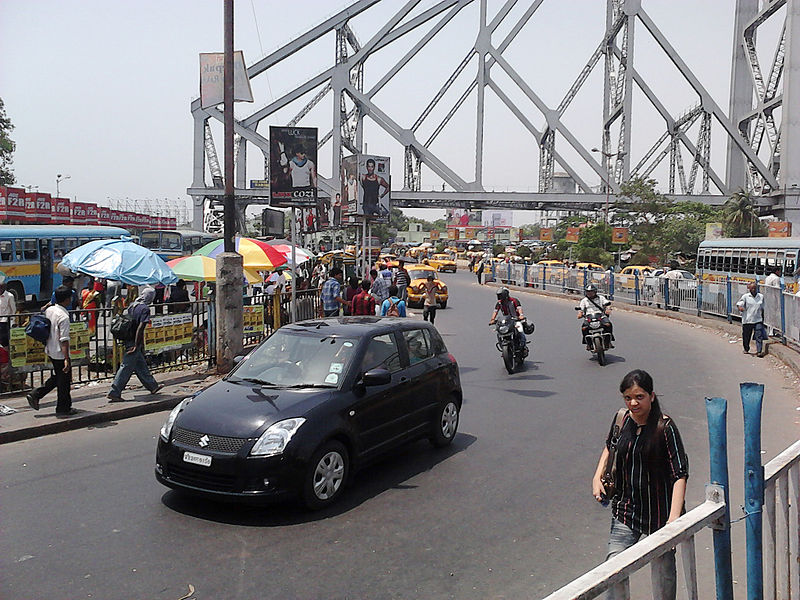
(355, 326)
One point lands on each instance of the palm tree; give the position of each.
(740, 213)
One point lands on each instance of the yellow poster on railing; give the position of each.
(26, 354)
(168, 332)
(253, 320)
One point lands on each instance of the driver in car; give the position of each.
(594, 303)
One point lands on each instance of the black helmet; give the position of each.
(503, 293)
(590, 288)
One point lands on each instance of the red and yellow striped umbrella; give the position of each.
(255, 254)
(203, 268)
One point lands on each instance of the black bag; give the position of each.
(609, 477)
(123, 327)
(38, 328)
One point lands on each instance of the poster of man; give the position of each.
(349, 195)
(374, 187)
(293, 166)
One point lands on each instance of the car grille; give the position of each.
(202, 479)
(216, 443)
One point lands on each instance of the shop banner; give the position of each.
(168, 332)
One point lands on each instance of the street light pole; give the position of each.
(59, 179)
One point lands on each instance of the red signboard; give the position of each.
(130, 219)
(15, 202)
(3, 203)
(78, 213)
(172, 223)
(61, 211)
(104, 215)
(30, 209)
(91, 213)
(43, 208)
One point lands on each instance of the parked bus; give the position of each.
(29, 255)
(174, 243)
(748, 259)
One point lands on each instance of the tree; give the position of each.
(7, 147)
(741, 218)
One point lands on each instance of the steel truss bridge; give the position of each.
(761, 126)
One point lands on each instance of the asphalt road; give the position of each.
(506, 512)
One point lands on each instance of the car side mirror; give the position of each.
(238, 359)
(577, 308)
(376, 377)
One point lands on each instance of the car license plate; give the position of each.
(197, 459)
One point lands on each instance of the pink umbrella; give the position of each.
(286, 250)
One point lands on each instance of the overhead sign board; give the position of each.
(212, 76)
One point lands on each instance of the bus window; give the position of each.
(788, 266)
(6, 251)
(171, 241)
(18, 250)
(726, 261)
(72, 243)
(761, 263)
(150, 240)
(751, 264)
(59, 248)
(736, 264)
(30, 250)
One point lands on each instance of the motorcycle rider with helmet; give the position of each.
(593, 303)
(509, 305)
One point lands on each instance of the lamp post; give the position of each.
(606, 156)
(59, 179)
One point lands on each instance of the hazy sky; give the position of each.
(100, 89)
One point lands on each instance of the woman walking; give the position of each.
(650, 482)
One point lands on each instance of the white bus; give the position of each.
(748, 259)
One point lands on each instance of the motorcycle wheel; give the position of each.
(508, 358)
(601, 353)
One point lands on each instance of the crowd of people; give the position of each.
(382, 292)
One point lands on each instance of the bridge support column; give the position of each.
(790, 119)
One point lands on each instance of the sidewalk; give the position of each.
(93, 406)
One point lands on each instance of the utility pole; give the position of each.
(229, 264)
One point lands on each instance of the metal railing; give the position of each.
(781, 308)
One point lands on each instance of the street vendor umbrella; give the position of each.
(286, 250)
(119, 260)
(255, 254)
(275, 276)
(203, 268)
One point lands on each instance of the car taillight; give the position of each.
(451, 358)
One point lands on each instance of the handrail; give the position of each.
(781, 463)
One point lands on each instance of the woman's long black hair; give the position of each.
(654, 428)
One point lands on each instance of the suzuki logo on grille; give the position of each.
(203, 441)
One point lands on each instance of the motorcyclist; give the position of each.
(594, 303)
(509, 305)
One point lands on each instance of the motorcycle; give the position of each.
(597, 339)
(509, 340)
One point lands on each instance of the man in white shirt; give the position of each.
(57, 348)
(8, 307)
(751, 305)
(774, 277)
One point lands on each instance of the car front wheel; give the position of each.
(327, 474)
(446, 424)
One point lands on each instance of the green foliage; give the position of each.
(639, 259)
(7, 147)
(498, 249)
(595, 254)
(524, 252)
(560, 232)
(594, 236)
(440, 247)
(741, 217)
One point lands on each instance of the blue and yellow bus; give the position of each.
(749, 259)
(174, 243)
(29, 255)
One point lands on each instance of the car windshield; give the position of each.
(297, 359)
(422, 273)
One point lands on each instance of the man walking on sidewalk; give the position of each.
(133, 361)
(57, 348)
(751, 305)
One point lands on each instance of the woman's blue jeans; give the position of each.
(662, 570)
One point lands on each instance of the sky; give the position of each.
(99, 90)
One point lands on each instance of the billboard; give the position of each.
(272, 222)
(324, 212)
(619, 235)
(61, 211)
(212, 77)
(573, 234)
(349, 183)
(293, 166)
(91, 214)
(30, 208)
(713, 231)
(546, 234)
(460, 217)
(779, 229)
(15, 204)
(43, 208)
(104, 215)
(374, 187)
(497, 218)
(78, 213)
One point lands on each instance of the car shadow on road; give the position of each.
(392, 472)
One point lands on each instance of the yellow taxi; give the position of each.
(441, 262)
(589, 266)
(418, 274)
(627, 276)
(555, 270)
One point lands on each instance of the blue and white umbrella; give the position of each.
(119, 260)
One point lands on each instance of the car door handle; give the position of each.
(403, 379)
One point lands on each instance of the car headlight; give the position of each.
(274, 440)
(166, 428)
(443, 289)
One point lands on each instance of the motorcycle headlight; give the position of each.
(166, 428)
(504, 329)
(274, 440)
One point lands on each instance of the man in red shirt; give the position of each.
(363, 302)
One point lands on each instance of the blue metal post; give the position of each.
(544, 277)
(636, 288)
(665, 283)
(525, 275)
(729, 307)
(585, 277)
(611, 284)
(752, 397)
(508, 264)
(494, 271)
(783, 312)
(699, 297)
(716, 411)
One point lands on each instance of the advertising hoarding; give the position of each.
(30, 208)
(546, 234)
(460, 217)
(713, 231)
(43, 208)
(349, 183)
(293, 166)
(212, 76)
(272, 222)
(374, 189)
(497, 218)
(573, 234)
(61, 211)
(619, 235)
(3, 203)
(78, 213)
(15, 204)
(779, 229)
(104, 215)
(91, 214)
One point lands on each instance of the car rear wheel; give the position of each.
(446, 424)
(326, 476)
(444, 303)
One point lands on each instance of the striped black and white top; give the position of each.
(644, 483)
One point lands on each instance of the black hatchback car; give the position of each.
(310, 405)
